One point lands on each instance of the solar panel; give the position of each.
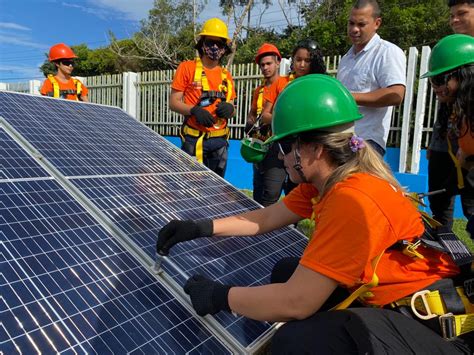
(83, 140)
(67, 285)
(139, 181)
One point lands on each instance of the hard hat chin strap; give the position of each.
(297, 166)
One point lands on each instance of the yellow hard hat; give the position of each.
(215, 27)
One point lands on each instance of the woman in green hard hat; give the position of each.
(359, 211)
(451, 74)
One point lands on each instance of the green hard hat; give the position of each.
(314, 101)
(449, 53)
(253, 150)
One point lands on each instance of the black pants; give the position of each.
(214, 152)
(268, 178)
(356, 330)
(442, 175)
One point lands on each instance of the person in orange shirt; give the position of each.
(268, 174)
(307, 58)
(63, 85)
(361, 215)
(203, 92)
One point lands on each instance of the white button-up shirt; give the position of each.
(379, 64)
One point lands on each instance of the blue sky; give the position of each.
(29, 27)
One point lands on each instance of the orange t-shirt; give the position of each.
(184, 81)
(47, 88)
(278, 85)
(355, 221)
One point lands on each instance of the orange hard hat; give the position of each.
(60, 51)
(267, 48)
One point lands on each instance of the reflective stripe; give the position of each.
(457, 164)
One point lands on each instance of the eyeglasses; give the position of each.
(211, 42)
(67, 62)
(440, 79)
(285, 147)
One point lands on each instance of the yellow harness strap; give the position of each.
(260, 99)
(362, 291)
(200, 76)
(457, 164)
(200, 149)
(57, 92)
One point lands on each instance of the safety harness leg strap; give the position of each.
(199, 149)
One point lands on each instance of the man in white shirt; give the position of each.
(374, 72)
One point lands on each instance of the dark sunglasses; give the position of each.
(285, 146)
(211, 42)
(440, 79)
(67, 62)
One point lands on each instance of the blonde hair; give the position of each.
(347, 162)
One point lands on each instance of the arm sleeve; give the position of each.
(85, 90)
(182, 77)
(229, 77)
(46, 87)
(299, 202)
(392, 67)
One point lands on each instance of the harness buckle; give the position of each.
(422, 294)
(410, 250)
(448, 326)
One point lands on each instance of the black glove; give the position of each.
(203, 117)
(224, 109)
(207, 296)
(181, 231)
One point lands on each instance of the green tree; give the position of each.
(166, 36)
(404, 22)
(89, 62)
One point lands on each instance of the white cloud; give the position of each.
(101, 13)
(135, 10)
(21, 41)
(13, 26)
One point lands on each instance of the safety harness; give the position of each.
(63, 93)
(260, 132)
(208, 97)
(444, 307)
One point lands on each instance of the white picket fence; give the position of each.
(145, 96)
